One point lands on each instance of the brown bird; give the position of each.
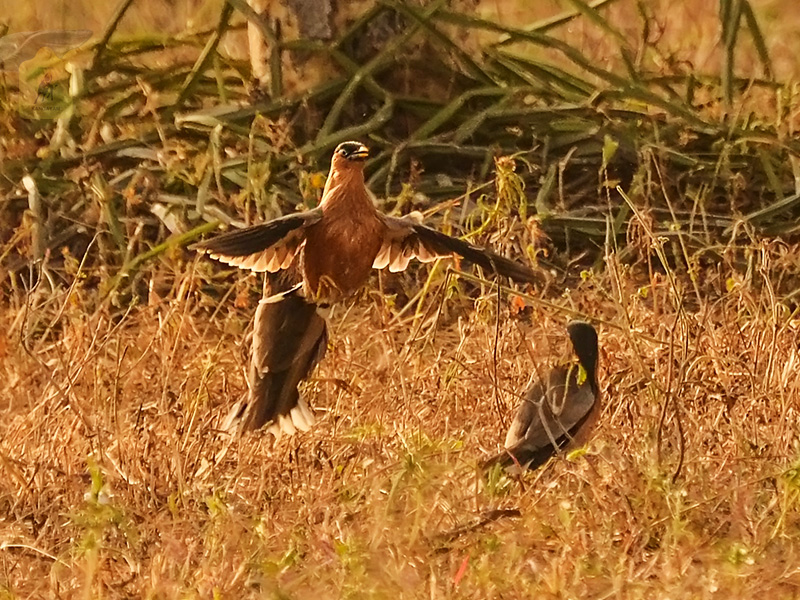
(558, 412)
(339, 243)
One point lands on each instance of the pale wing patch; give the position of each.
(398, 257)
(426, 255)
(290, 254)
(396, 253)
(382, 259)
(400, 263)
(271, 260)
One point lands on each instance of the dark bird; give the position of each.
(290, 337)
(559, 411)
(339, 243)
(16, 48)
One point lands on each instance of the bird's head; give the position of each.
(350, 155)
(584, 340)
(346, 179)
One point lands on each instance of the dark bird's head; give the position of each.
(350, 155)
(584, 341)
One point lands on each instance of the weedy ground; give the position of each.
(116, 480)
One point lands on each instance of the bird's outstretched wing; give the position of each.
(550, 417)
(268, 247)
(408, 238)
(16, 48)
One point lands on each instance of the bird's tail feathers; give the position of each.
(279, 296)
(289, 339)
(233, 419)
(300, 418)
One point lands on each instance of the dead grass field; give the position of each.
(115, 481)
(116, 484)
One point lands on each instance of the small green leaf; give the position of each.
(576, 453)
(610, 146)
(581, 375)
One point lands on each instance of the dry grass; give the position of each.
(115, 482)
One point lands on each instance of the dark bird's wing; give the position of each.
(407, 238)
(268, 247)
(289, 338)
(551, 416)
(16, 48)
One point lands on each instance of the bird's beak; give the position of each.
(361, 154)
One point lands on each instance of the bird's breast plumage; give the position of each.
(339, 252)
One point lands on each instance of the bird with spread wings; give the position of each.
(558, 411)
(337, 244)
